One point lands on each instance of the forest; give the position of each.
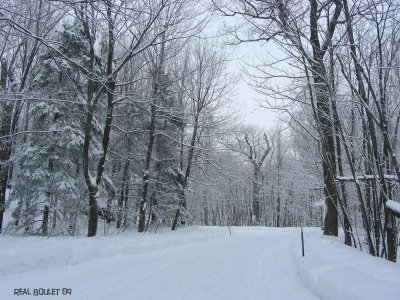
(120, 114)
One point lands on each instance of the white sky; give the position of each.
(248, 106)
(242, 55)
(250, 54)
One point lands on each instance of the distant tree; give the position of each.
(206, 87)
(298, 27)
(255, 146)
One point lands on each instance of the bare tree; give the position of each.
(297, 27)
(206, 88)
(374, 102)
(255, 147)
(141, 36)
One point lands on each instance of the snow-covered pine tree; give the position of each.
(48, 180)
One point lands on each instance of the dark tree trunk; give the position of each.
(4, 170)
(182, 202)
(343, 199)
(93, 211)
(93, 183)
(363, 208)
(54, 219)
(126, 199)
(326, 129)
(92, 222)
(278, 205)
(120, 208)
(156, 94)
(391, 235)
(5, 142)
(327, 150)
(182, 195)
(205, 208)
(45, 223)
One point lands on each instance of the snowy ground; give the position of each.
(194, 263)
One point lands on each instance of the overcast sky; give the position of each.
(242, 55)
(248, 105)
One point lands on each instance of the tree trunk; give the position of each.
(327, 150)
(156, 93)
(5, 142)
(182, 201)
(323, 113)
(182, 195)
(343, 199)
(123, 196)
(126, 206)
(93, 211)
(364, 213)
(146, 175)
(256, 195)
(205, 208)
(119, 209)
(391, 235)
(108, 211)
(45, 222)
(92, 100)
(54, 219)
(278, 205)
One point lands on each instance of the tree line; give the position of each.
(121, 110)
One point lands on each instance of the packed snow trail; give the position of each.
(250, 264)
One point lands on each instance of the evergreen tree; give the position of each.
(48, 179)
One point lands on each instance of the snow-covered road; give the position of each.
(194, 263)
(250, 264)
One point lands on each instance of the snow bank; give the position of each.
(332, 281)
(20, 254)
